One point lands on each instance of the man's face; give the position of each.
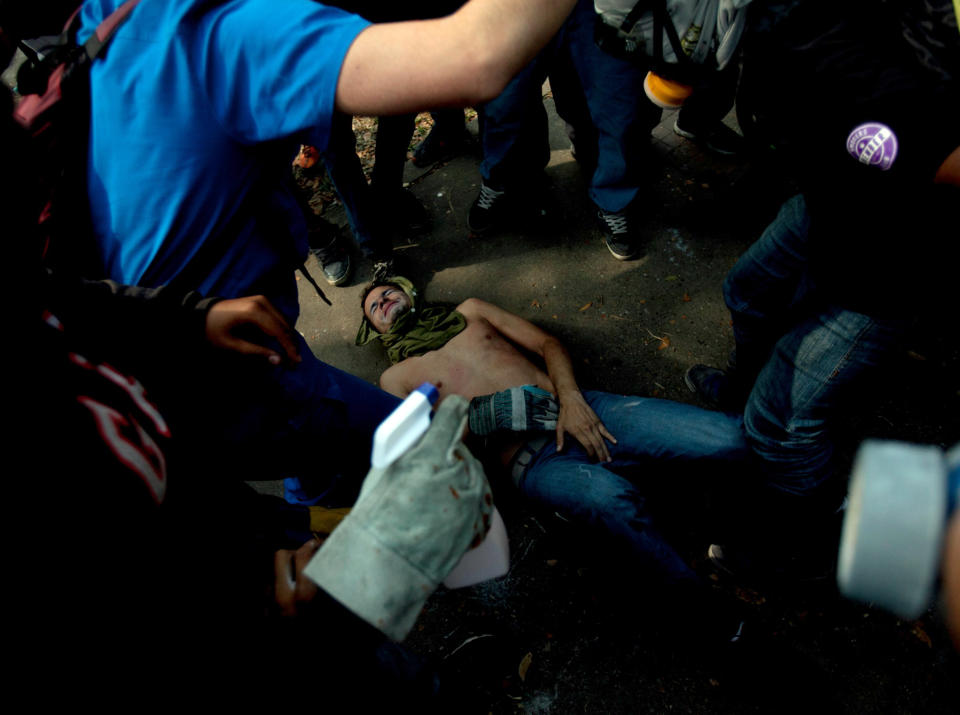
(384, 305)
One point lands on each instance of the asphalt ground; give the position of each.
(572, 628)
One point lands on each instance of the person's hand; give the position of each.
(412, 522)
(581, 422)
(292, 591)
(226, 317)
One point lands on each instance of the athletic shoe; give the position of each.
(487, 210)
(796, 568)
(335, 262)
(617, 234)
(720, 139)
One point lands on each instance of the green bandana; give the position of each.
(418, 331)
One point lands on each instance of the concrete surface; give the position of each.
(579, 629)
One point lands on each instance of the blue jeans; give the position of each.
(514, 124)
(657, 435)
(810, 353)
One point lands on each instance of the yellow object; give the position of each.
(323, 520)
(666, 93)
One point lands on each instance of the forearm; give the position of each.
(560, 369)
(463, 59)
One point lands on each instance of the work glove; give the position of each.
(412, 522)
(518, 409)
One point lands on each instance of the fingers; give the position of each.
(272, 322)
(291, 589)
(225, 317)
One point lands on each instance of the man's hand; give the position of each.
(579, 419)
(227, 316)
(292, 591)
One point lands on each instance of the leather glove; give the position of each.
(411, 524)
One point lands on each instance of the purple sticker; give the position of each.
(873, 144)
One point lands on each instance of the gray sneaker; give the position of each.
(335, 261)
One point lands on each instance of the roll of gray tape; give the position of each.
(893, 529)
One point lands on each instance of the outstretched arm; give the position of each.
(576, 416)
(459, 60)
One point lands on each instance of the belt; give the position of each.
(518, 464)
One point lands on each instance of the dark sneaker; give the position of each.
(441, 146)
(720, 139)
(335, 261)
(619, 238)
(715, 387)
(818, 565)
(487, 210)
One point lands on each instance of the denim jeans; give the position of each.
(514, 126)
(809, 353)
(656, 435)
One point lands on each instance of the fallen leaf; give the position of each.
(921, 634)
(686, 298)
(642, 301)
(536, 303)
(551, 562)
(672, 278)
(554, 316)
(664, 343)
(714, 682)
(584, 307)
(525, 666)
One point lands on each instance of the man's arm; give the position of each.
(576, 416)
(459, 60)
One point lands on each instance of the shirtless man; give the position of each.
(581, 478)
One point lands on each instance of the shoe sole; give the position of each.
(619, 256)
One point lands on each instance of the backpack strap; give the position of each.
(105, 30)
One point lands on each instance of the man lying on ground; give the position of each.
(475, 351)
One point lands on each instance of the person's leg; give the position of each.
(614, 92)
(701, 116)
(514, 138)
(766, 292)
(653, 433)
(770, 283)
(343, 167)
(801, 389)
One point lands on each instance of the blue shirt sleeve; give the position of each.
(270, 67)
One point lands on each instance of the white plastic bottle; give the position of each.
(400, 431)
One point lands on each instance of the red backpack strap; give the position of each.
(104, 32)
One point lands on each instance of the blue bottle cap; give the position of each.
(429, 391)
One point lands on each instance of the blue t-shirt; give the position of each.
(197, 108)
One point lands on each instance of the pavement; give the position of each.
(570, 629)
